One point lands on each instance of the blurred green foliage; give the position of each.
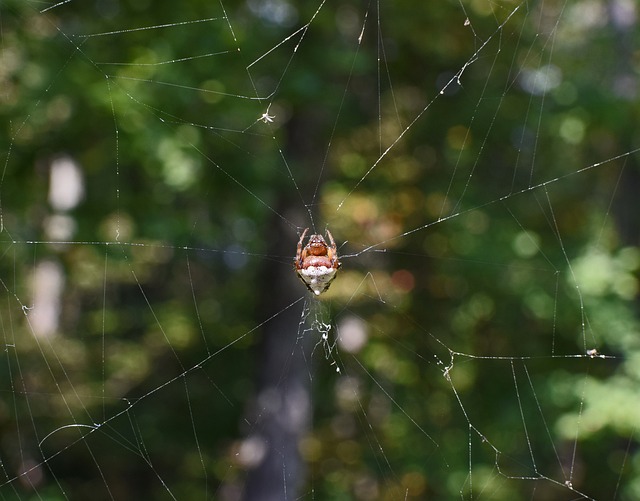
(489, 284)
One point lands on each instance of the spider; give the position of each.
(266, 118)
(317, 264)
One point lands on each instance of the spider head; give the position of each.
(316, 246)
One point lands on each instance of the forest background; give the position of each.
(476, 162)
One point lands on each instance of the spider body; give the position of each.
(317, 263)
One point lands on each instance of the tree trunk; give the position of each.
(281, 412)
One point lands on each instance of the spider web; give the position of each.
(159, 166)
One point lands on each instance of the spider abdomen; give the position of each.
(317, 278)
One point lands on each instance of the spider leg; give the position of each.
(333, 252)
(298, 260)
(333, 242)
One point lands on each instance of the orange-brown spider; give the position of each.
(317, 263)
